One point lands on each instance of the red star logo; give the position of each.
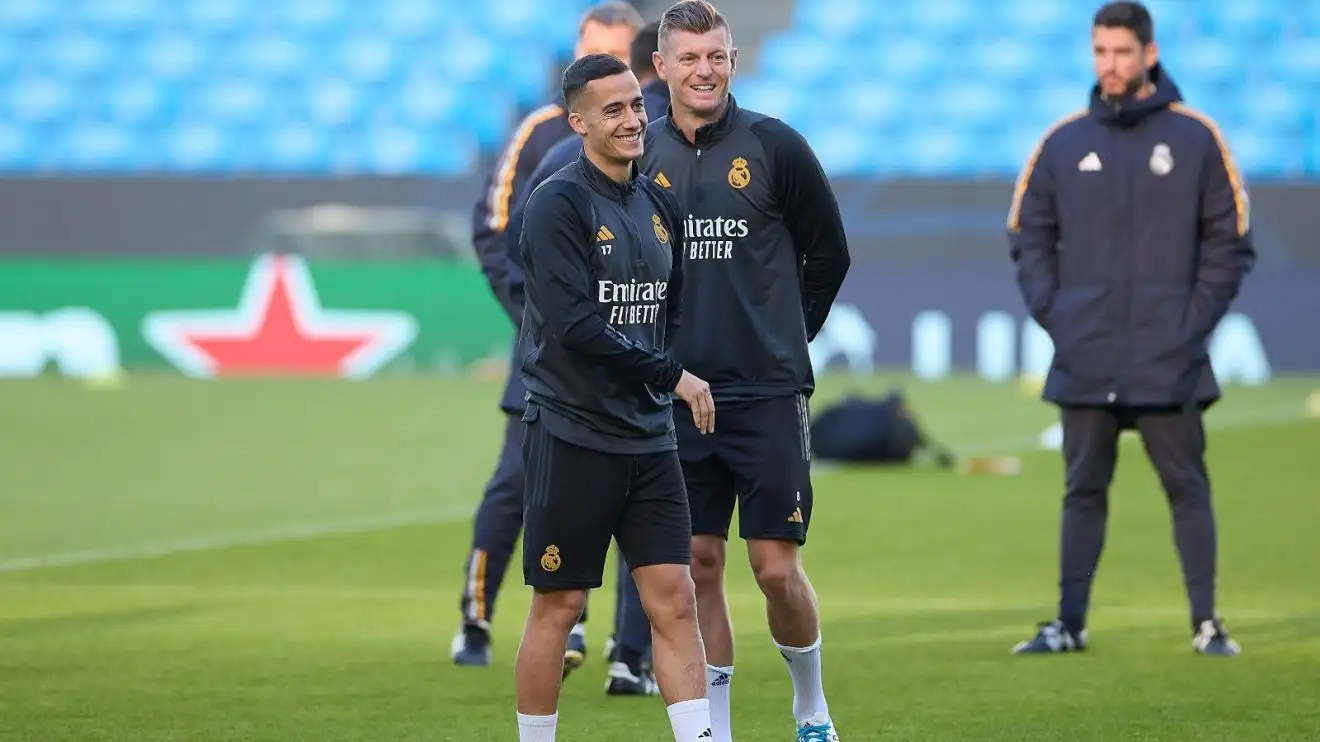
(279, 329)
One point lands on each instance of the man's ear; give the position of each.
(579, 125)
(658, 60)
(733, 60)
(1152, 54)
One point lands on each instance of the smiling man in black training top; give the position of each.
(765, 256)
(601, 253)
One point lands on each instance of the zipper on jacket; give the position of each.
(700, 190)
(1118, 393)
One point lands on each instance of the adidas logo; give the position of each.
(723, 679)
(604, 234)
(796, 517)
(1090, 163)
(706, 734)
(661, 180)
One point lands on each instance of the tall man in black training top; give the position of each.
(601, 257)
(630, 644)
(765, 257)
(606, 28)
(1130, 231)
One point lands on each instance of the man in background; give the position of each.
(607, 28)
(654, 91)
(629, 647)
(1155, 218)
(765, 256)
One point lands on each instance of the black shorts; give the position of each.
(577, 499)
(758, 457)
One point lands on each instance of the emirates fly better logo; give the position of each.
(279, 329)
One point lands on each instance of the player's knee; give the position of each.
(776, 567)
(669, 598)
(708, 556)
(561, 608)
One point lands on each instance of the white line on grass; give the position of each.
(369, 524)
(297, 532)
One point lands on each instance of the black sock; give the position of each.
(1196, 623)
(1074, 626)
(632, 658)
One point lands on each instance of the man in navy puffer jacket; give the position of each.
(1130, 230)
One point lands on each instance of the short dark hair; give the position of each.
(693, 16)
(644, 44)
(1130, 15)
(612, 13)
(586, 69)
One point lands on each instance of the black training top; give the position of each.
(766, 251)
(603, 282)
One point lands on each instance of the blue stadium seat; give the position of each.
(1296, 60)
(836, 19)
(17, 148)
(20, 17)
(874, 104)
(38, 99)
(330, 102)
(170, 56)
(270, 56)
(1239, 22)
(133, 101)
(186, 145)
(799, 57)
(74, 55)
(296, 146)
(938, 20)
(96, 147)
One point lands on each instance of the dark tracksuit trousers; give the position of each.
(495, 536)
(1174, 439)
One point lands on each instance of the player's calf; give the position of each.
(790, 599)
(669, 598)
(541, 653)
(795, 627)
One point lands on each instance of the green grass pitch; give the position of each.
(281, 560)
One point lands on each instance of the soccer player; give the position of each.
(1154, 214)
(606, 28)
(601, 255)
(765, 257)
(628, 649)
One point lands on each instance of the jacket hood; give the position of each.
(656, 95)
(1127, 110)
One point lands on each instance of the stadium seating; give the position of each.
(285, 87)
(961, 88)
(917, 88)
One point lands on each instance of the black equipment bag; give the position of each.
(876, 431)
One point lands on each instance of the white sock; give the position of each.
(537, 728)
(804, 668)
(690, 720)
(718, 680)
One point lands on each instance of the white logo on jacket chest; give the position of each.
(1161, 159)
(632, 303)
(1090, 163)
(698, 234)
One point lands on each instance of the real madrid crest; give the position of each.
(1161, 159)
(550, 559)
(660, 232)
(739, 175)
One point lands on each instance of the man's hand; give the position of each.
(696, 393)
